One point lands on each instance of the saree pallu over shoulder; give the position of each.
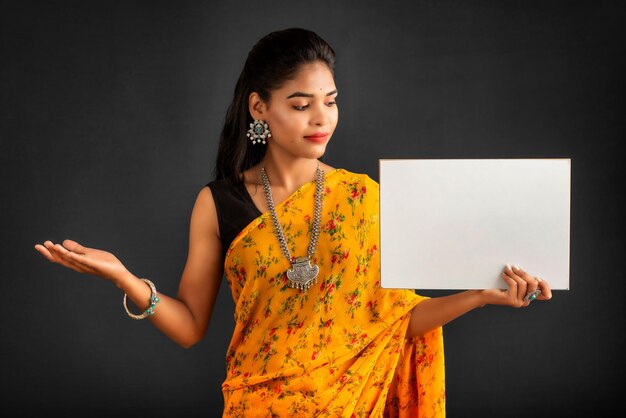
(338, 349)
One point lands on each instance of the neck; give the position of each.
(289, 174)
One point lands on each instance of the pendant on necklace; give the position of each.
(302, 275)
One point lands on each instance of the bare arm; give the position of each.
(183, 319)
(435, 312)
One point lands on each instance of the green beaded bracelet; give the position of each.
(154, 299)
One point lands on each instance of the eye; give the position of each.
(329, 104)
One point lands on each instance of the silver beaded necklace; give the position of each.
(302, 274)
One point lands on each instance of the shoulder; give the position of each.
(349, 177)
(205, 199)
(357, 189)
(221, 187)
(223, 182)
(204, 216)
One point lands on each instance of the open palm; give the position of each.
(83, 259)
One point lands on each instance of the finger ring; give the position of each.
(530, 296)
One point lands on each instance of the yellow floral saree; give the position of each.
(338, 349)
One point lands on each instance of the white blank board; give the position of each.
(455, 223)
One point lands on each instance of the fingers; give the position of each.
(44, 251)
(511, 292)
(518, 290)
(521, 284)
(546, 291)
(75, 247)
(56, 253)
(531, 285)
(48, 251)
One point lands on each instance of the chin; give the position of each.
(316, 153)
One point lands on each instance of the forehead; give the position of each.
(313, 77)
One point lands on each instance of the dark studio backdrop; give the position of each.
(110, 117)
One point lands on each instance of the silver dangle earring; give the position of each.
(259, 131)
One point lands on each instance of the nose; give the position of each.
(320, 116)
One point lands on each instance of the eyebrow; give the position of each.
(300, 94)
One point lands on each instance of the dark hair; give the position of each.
(274, 59)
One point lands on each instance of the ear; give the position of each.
(256, 106)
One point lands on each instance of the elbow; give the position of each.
(187, 344)
(190, 342)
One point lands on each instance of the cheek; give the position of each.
(335, 116)
(281, 119)
(287, 122)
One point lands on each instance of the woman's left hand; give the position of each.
(522, 287)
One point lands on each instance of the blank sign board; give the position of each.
(455, 223)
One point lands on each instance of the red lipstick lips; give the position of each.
(317, 137)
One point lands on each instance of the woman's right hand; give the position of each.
(83, 259)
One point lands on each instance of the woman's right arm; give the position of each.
(183, 319)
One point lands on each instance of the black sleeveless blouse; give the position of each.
(235, 209)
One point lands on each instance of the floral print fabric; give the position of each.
(338, 349)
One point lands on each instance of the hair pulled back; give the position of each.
(274, 59)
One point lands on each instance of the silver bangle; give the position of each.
(154, 299)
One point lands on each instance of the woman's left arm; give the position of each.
(435, 312)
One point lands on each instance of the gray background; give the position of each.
(110, 117)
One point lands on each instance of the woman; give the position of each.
(297, 240)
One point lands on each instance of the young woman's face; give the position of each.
(302, 107)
